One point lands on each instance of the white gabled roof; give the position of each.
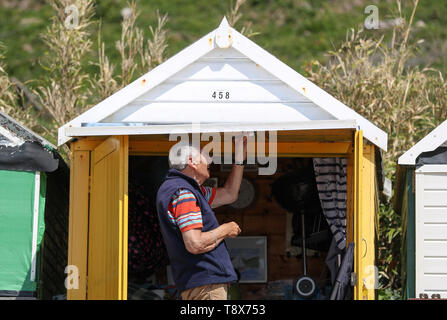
(430, 142)
(180, 91)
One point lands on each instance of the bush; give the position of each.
(378, 81)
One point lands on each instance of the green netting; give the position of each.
(16, 229)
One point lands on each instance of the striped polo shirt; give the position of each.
(183, 210)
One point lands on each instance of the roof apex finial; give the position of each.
(224, 23)
(223, 34)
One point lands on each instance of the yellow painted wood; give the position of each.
(124, 183)
(284, 149)
(324, 135)
(357, 206)
(88, 143)
(78, 222)
(107, 264)
(367, 223)
(315, 135)
(364, 218)
(107, 249)
(282, 135)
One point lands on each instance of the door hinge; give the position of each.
(353, 279)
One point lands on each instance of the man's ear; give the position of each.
(191, 163)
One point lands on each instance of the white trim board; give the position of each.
(208, 127)
(432, 168)
(419, 233)
(247, 48)
(35, 225)
(430, 142)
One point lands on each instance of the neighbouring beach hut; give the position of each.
(34, 182)
(223, 83)
(421, 199)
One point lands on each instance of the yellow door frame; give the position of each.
(361, 202)
(107, 244)
(81, 179)
(76, 282)
(363, 215)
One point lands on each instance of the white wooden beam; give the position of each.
(35, 226)
(104, 130)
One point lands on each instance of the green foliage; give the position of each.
(10, 97)
(63, 91)
(295, 31)
(389, 294)
(376, 78)
(388, 249)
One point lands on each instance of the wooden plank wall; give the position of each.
(55, 241)
(221, 75)
(266, 218)
(78, 217)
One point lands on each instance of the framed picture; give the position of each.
(249, 257)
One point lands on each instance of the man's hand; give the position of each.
(197, 242)
(233, 229)
(240, 148)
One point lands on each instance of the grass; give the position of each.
(294, 31)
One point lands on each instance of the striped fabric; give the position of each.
(209, 193)
(330, 175)
(183, 210)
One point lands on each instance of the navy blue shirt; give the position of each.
(191, 270)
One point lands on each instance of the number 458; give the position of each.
(221, 95)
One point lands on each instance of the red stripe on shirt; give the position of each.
(187, 209)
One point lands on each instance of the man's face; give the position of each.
(205, 167)
(201, 167)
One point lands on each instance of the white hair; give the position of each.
(180, 154)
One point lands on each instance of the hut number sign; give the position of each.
(220, 95)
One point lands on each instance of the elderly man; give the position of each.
(200, 262)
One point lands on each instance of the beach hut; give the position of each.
(421, 199)
(223, 83)
(34, 183)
